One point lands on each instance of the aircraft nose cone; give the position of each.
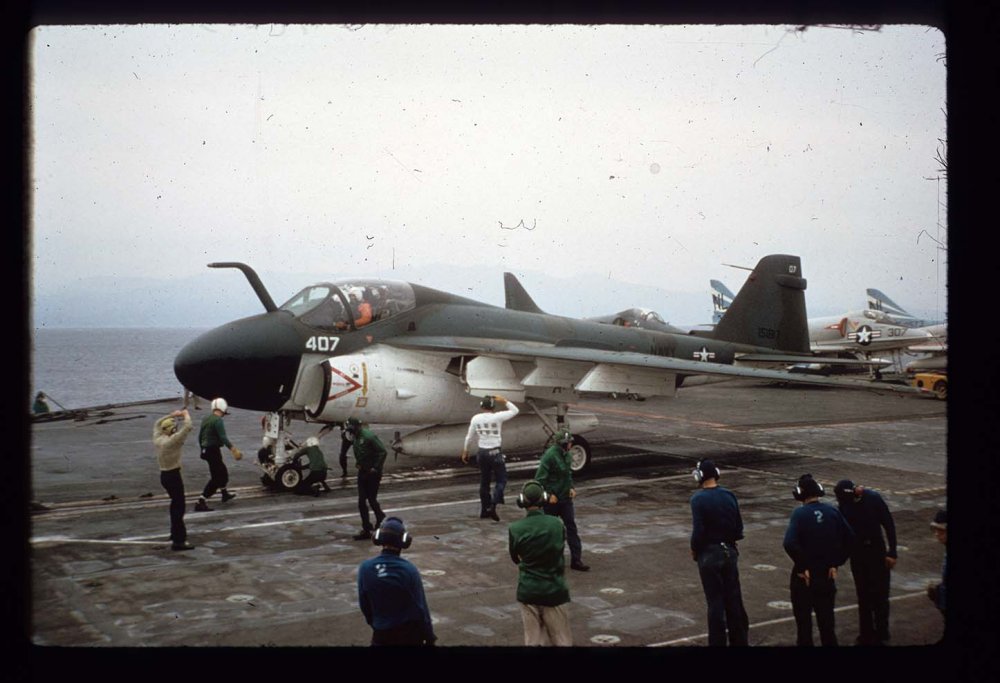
(252, 362)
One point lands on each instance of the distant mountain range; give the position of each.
(215, 296)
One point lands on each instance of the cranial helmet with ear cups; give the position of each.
(807, 488)
(705, 469)
(392, 533)
(532, 495)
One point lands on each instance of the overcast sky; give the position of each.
(642, 154)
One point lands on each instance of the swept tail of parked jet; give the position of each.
(770, 309)
(722, 298)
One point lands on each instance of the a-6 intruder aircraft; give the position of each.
(423, 357)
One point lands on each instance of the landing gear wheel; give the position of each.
(941, 389)
(579, 454)
(288, 477)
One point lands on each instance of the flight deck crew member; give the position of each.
(211, 438)
(345, 445)
(169, 434)
(937, 592)
(536, 544)
(391, 593)
(716, 526)
(818, 540)
(40, 406)
(317, 468)
(489, 456)
(871, 560)
(556, 477)
(369, 456)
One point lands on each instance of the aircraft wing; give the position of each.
(609, 371)
(777, 359)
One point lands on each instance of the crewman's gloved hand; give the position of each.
(237, 454)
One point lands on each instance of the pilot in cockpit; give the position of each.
(362, 309)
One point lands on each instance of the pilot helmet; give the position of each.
(221, 405)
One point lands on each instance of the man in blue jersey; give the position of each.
(872, 558)
(716, 526)
(391, 593)
(818, 540)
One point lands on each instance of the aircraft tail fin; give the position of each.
(770, 309)
(722, 298)
(877, 301)
(516, 298)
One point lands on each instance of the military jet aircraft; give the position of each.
(933, 354)
(423, 357)
(862, 338)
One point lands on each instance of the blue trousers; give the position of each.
(817, 597)
(563, 508)
(492, 465)
(871, 582)
(720, 579)
(368, 483)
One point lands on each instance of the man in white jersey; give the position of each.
(492, 463)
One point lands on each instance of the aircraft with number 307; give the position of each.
(395, 353)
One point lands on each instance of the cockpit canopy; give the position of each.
(638, 317)
(347, 304)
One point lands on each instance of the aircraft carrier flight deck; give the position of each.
(279, 569)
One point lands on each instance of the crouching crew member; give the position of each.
(871, 561)
(168, 440)
(369, 456)
(211, 438)
(818, 540)
(391, 593)
(556, 477)
(536, 544)
(716, 526)
(317, 468)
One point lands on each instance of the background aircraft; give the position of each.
(868, 334)
(934, 352)
(426, 356)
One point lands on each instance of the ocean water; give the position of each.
(86, 367)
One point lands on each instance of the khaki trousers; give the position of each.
(546, 625)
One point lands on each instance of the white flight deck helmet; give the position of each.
(221, 405)
(312, 441)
